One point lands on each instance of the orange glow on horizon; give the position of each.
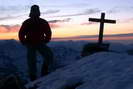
(94, 39)
(71, 30)
(8, 36)
(11, 35)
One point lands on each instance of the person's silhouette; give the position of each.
(35, 33)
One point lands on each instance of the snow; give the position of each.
(103, 70)
(99, 71)
(64, 54)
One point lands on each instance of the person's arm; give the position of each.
(22, 33)
(48, 33)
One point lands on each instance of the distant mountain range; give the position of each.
(93, 36)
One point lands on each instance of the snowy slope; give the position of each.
(111, 70)
(98, 71)
(13, 54)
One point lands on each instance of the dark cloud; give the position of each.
(86, 12)
(77, 5)
(119, 9)
(10, 17)
(88, 23)
(13, 8)
(56, 21)
(91, 11)
(6, 27)
(7, 17)
(51, 12)
(9, 28)
(11, 12)
(8, 8)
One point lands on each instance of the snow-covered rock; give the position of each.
(118, 47)
(104, 70)
(64, 54)
(99, 71)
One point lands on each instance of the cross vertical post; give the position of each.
(101, 29)
(92, 48)
(102, 21)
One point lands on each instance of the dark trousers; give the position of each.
(47, 55)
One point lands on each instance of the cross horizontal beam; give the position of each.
(94, 20)
(102, 20)
(105, 21)
(110, 21)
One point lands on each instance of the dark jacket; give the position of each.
(34, 32)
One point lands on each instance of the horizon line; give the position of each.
(90, 37)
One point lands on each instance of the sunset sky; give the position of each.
(67, 17)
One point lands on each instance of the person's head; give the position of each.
(34, 12)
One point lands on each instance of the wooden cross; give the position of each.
(102, 21)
